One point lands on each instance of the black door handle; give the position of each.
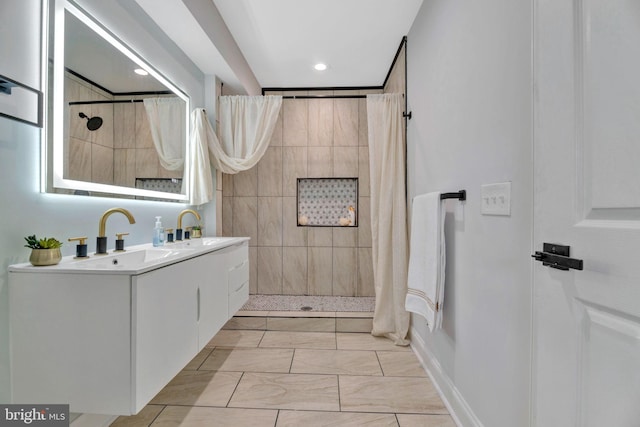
(557, 256)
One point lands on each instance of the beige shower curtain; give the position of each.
(388, 215)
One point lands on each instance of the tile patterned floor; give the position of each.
(279, 378)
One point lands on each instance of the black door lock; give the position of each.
(557, 256)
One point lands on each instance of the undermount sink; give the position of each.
(129, 260)
(204, 241)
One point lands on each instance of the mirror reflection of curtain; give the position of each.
(168, 133)
(246, 127)
(388, 215)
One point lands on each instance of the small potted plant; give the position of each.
(196, 231)
(43, 251)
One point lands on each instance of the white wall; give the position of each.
(23, 209)
(469, 88)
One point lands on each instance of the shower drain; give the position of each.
(306, 308)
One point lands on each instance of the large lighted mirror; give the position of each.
(117, 126)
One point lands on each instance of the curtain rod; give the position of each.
(117, 101)
(323, 96)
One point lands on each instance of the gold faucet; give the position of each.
(103, 219)
(186, 211)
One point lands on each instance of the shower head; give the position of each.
(93, 123)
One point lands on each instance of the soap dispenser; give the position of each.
(158, 233)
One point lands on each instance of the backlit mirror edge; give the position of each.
(53, 139)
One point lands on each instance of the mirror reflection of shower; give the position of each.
(93, 123)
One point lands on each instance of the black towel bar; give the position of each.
(460, 195)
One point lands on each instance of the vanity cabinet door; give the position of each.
(164, 313)
(212, 296)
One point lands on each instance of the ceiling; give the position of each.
(281, 40)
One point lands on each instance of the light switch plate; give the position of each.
(496, 199)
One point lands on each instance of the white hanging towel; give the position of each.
(427, 261)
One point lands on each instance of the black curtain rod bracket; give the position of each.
(460, 195)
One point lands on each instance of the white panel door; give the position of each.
(587, 195)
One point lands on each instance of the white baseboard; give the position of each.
(458, 408)
(93, 420)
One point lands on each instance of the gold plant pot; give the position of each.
(40, 257)
(196, 233)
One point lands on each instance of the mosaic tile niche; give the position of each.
(327, 202)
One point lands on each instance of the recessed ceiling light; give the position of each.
(320, 66)
(141, 72)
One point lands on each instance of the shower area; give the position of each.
(308, 253)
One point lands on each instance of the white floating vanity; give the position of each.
(106, 334)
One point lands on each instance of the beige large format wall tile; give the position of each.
(270, 221)
(295, 121)
(313, 138)
(345, 162)
(143, 130)
(270, 173)
(320, 277)
(79, 160)
(287, 391)
(345, 271)
(354, 325)
(363, 131)
(364, 222)
(292, 234)
(345, 130)
(147, 163)
(227, 185)
(276, 138)
(320, 236)
(363, 172)
(77, 125)
(294, 166)
(104, 135)
(366, 285)
(294, 271)
(320, 162)
(124, 130)
(270, 270)
(342, 419)
(321, 122)
(245, 218)
(124, 167)
(253, 269)
(245, 183)
(345, 237)
(101, 164)
(227, 216)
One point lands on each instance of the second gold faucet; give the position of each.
(180, 215)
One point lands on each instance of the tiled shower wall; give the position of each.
(313, 138)
(117, 153)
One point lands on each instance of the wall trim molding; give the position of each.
(459, 409)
